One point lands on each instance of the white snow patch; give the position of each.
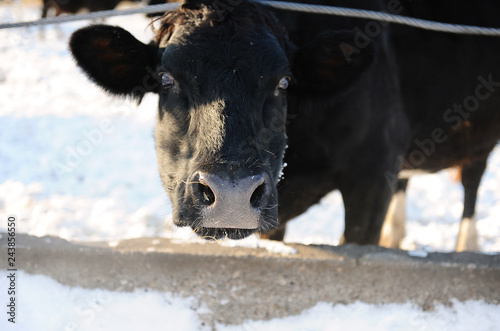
(46, 305)
(462, 316)
(253, 241)
(418, 253)
(114, 243)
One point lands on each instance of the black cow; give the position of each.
(448, 86)
(74, 6)
(460, 76)
(363, 100)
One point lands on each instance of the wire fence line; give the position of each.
(93, 15)
(316, 9)
(385, 17)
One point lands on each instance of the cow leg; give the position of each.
(471, 177)
(47, 5)
(45, 8)
(393, 230)
(366, 202)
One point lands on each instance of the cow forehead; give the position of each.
(202, 51)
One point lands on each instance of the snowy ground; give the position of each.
(47, 305)
(81, 165)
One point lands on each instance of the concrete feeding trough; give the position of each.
(258, 284)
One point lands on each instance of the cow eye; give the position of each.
(167, 80)
(283, 84)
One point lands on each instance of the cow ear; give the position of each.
(332, 62)
(115, 60)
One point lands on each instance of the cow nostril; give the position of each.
(206, 194)
(258, 195)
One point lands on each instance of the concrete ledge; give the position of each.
(252, 283)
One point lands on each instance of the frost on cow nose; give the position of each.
(230, 203)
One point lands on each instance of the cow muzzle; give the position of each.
(230, 203)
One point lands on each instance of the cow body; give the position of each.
(456, 79)
(448, 89)
(74, 6)
(363, 100)
(358, 135)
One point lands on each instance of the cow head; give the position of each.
(221, 71)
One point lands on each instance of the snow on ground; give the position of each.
(52, 306)
(81, 165)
